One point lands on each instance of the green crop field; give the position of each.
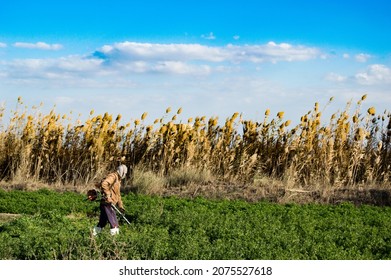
(48, 225)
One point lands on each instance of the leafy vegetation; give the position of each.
(55, 225)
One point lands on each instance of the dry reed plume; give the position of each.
(352, 148)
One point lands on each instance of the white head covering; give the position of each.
(122, 170)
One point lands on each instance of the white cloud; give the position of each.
(178, 67)
(335, 77)
(164, 67)
(236, 37)
(346, 55)
(362, 57)
(160, 52)
(375, 74)
(3, 45)
(270, 52)
(72, 67)
(122, 62)
(209, 36)
(39, 46)
(131, 64)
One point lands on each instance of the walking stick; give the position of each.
(119, 212)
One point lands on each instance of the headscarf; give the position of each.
(122, 170)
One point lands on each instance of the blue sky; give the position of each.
(211, 58)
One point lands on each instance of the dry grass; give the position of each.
(351, 149)
(6, 217)
(185, 176)
(148, 182)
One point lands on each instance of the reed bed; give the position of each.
(352, 147)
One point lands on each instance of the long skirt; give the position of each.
(107, 215)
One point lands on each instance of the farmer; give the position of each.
(110, 188)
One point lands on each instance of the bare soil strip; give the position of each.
(6, 217)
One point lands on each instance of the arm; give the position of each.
(118, 193)
(106, 186)
(120, 204)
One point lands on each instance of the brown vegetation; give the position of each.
(237, 157)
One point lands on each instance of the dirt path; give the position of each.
(6, 217)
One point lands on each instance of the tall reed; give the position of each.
(352, 147)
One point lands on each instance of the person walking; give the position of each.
(111, 195)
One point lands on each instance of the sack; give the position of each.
(92, 195)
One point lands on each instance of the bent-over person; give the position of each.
(111, 195)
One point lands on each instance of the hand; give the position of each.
(122, 210)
